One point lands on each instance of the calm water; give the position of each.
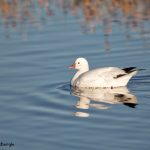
(38, 110)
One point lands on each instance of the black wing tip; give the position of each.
(132, 105)
(130, 69)
(119, 75)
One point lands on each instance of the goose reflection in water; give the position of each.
(94, 97)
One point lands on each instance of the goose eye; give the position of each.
(78, 62)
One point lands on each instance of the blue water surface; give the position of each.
(37, 109)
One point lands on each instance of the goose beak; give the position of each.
(72, 66)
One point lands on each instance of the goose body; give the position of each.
(100, 77)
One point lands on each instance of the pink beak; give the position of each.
(72, 66)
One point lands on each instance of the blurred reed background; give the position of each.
(94, 15)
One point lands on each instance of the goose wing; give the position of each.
(100, 76)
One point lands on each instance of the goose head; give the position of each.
(80, 64)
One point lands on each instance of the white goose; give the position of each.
(100, 77)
